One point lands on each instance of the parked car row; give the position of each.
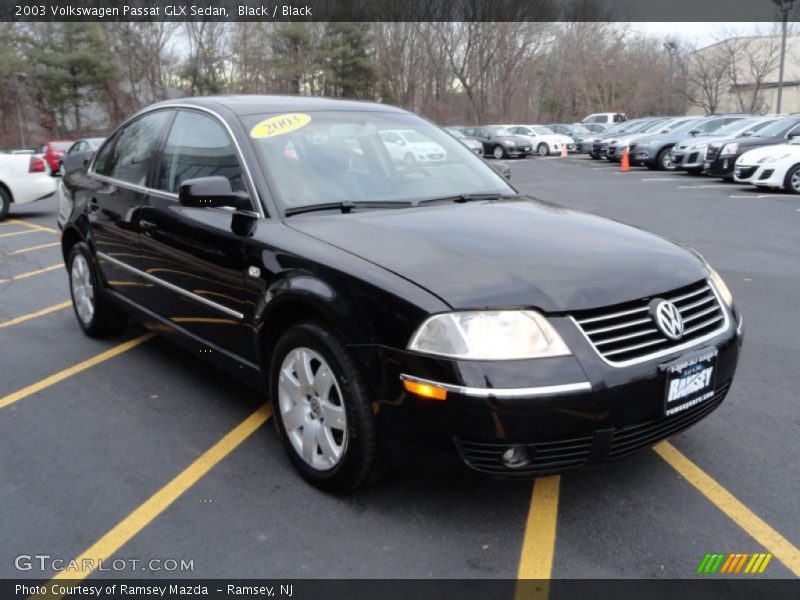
(763, 150)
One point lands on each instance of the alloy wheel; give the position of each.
(795, 181)
(498, 152)
(312, 409)
(82, 289)
(543, 149)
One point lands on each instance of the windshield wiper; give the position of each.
(460, 198)
(346, 206)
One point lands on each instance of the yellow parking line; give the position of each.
(33, 315)
(538, 545)
(35, 226)
(32, 248)
(73, 370)
(2, 235)
(32, 273)
(757, 528)
(131, 525)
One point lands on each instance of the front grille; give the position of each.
(626, 333)
(544, 456)
(745, 172)
(766, 174)
(712, 152)
(634, 437)
(692, 158)
(677, 159)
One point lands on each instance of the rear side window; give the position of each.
(129, 157)
(197, 146)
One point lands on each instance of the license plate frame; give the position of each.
(689, 380)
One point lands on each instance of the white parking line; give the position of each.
(659, 179)
(702, 187)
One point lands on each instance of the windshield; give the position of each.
(542, 130)
(655, 126)
(495, 131)
(737, 127)
(578, 129)
(345, 156)
(779, 127)
(61, 145)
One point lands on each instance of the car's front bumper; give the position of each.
(768, 176)
(646, 154)
(722, 166)
(688, 159)
(745, 173)
(562, 413)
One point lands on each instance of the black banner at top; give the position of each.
(399, 10)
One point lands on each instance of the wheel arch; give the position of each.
(7, 190)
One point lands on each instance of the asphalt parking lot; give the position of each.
(129, 448)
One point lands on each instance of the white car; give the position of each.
(775, 166)
(544, 140)
(411, 147)
(607, 118)
(24, 178)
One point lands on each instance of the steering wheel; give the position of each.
(408, 170)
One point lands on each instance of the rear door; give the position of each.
(120, 174)
(193, 254)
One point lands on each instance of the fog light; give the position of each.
(516, 456)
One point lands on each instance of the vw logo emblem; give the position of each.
(668, 319)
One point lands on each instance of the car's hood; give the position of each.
(755, 141)
(511, 253)
(751, 157)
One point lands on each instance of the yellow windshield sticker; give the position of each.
(279, 125)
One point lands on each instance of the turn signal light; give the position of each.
(425, 390)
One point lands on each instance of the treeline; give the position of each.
(68, 79)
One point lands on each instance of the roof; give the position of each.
(257, 104)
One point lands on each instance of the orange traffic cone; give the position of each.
(625, 165)
(563, 151)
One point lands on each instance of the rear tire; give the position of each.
(306, 404)
(791, 183)
(5, 203)
(96, 313)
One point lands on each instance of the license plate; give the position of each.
(707, 165)
(527, 148)
(689, 381)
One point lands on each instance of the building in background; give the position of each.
(740, 74)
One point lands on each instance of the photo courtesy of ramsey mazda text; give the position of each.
(395, 306)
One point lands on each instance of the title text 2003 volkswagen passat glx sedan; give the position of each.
(390, 308)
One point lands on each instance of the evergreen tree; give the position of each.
(347, 55)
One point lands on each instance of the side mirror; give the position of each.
(212, 192)
(694, 132)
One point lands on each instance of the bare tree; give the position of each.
(708, 77)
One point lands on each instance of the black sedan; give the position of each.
(721, 155)
(390, 310)
(79, 154)
(499, 142)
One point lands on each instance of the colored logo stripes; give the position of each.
(733, 563)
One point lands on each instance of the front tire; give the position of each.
(543, 149)
(95, 311)
(5, 203)
(322, 409)
(791, 182)
(499, 152)
(664, 160)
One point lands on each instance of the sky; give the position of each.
(701, 34)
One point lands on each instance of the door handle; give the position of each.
(147, 226)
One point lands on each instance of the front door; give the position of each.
(196, 260)
(113, 202)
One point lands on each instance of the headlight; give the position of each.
(508, 142)
(489, 335)
(699, 147)
(720, 286)
(730, 148)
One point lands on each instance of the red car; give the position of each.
(53, 151)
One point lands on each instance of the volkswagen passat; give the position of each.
(392, 310)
